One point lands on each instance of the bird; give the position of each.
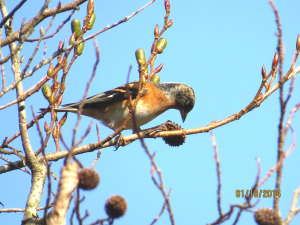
(111, 107)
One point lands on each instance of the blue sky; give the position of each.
(216, 47)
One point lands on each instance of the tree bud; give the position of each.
(161, 45)
(156, 30)
(275, 60)
(90, 7)
(63, 119)
(47, 92)
(298, 43)
(155, 78)
(76, 27)
(158, 69)
(72, 38)
(263, 71)
(79, 48)
(140, 56)
(50, 70)
(167, 6)
(92, 21)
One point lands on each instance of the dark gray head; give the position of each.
(183, 95)
(185, 100)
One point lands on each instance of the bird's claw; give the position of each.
(120, 141)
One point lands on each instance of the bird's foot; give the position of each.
(120, 141)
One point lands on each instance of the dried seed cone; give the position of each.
(266, 216)
(88, 179)
(115, 206)
(175, 140)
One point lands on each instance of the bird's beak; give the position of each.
(183, 114)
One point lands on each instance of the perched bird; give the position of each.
(111, 107)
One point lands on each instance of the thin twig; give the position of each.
(218, 172)
(83, 99)
(162, 210)
(57, 30)
(12, 13)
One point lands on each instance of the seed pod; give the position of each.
(161, 45)
(47, 92)
(79, 48)
(72, 38)
(298, 43)
(266, 216)
(115, 206)
(140, 56)
(88, 179)
(174, 141)
(155, 78)
(92, 21)
(76, 27)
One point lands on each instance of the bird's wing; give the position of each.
(106, 98)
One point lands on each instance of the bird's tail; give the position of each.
(65, 109)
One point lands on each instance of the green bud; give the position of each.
(76, 27)
(92, 21)
(155, 78)
(140, 56)
(161, 45)
(47, 92)
(51, 100)
(50, 70)
(72, 38)
(79, 48)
